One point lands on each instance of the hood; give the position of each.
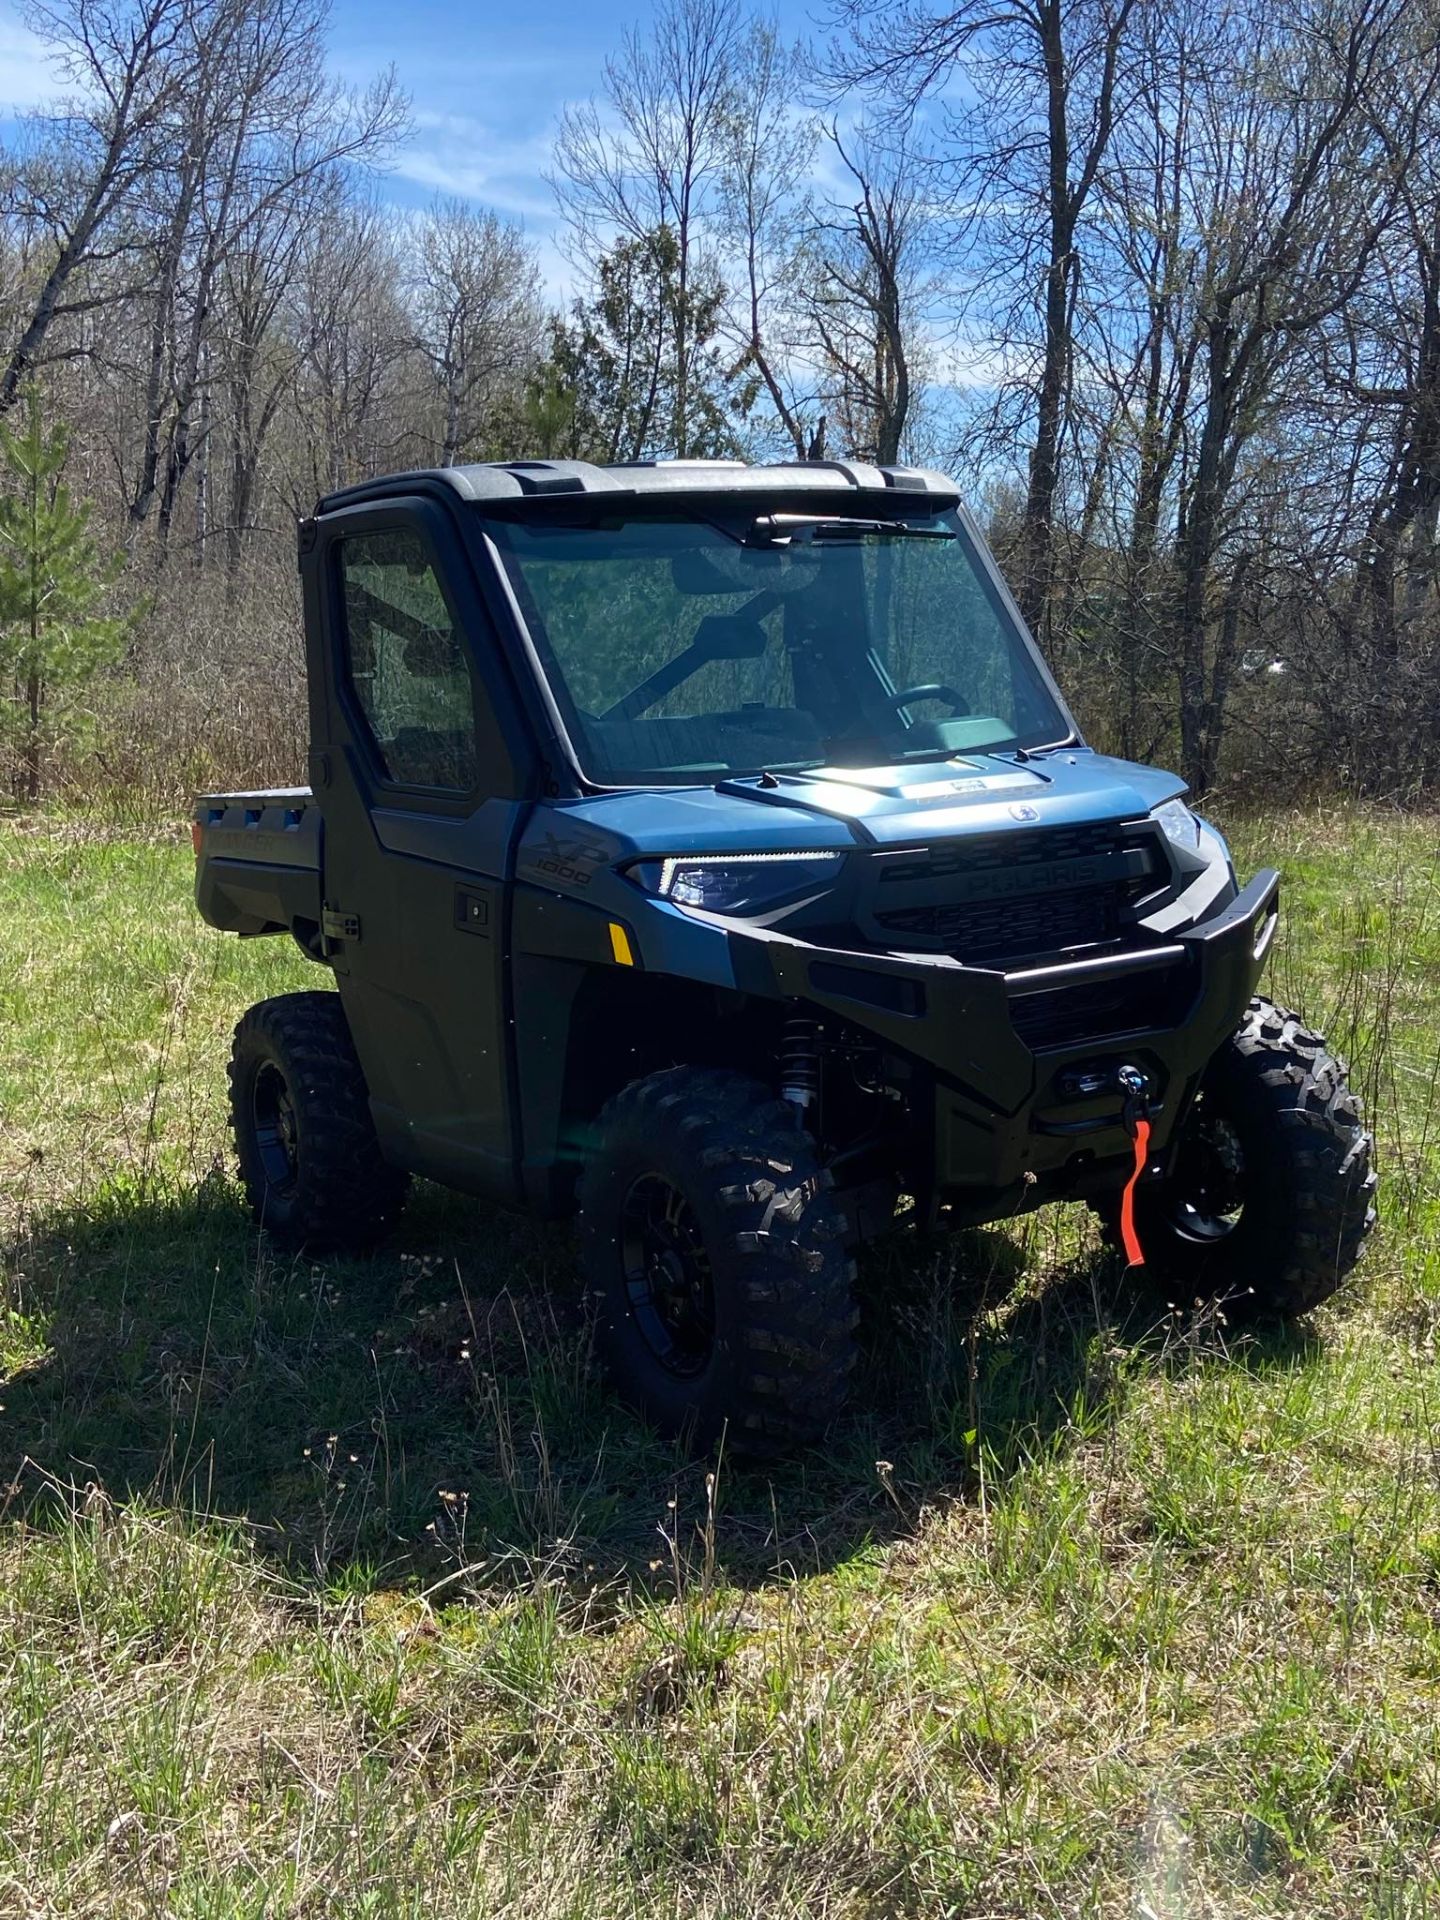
(881, 806)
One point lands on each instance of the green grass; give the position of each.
(348, 1590)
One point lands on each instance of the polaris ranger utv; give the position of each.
(706, 849)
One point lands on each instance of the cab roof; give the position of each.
(528, 479)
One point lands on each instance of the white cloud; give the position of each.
(474, 177)
(454, 153)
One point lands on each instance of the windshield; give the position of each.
(681, 650)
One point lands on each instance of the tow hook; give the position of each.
(1133, 1085)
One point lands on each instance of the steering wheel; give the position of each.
(932, 690)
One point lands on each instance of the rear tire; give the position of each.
(1268, 1197)
(310, 1161)
(716, 1259)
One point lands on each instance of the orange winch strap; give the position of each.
(1134, 1252)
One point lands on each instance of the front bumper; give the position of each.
(1005, 1058)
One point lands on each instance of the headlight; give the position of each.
(1178, 823)
(741, 883)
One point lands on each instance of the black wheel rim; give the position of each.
(667, 1275)
(1206, 1188)
(272, 1113)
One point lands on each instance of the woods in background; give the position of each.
(1159, 282)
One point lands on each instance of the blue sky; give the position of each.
(487, 83)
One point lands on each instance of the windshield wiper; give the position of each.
(779, 529)
(1051, 746)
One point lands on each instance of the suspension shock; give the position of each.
(800, 1063)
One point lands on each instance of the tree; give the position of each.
(358, 385)
(1288, 242)
(128, 65)
(1386, 361)
(258, 133)
(476, 297)
(863, 295)
(52, 581)
(1041, 82)
(610, 389)
(769, 149)
(651, 162)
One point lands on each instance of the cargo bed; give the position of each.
(258, 861)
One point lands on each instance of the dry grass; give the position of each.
(348, 1590)
(212, 695)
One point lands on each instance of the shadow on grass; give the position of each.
(434, 1408)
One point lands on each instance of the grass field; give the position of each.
(347, 1590)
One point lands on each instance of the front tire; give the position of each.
(310, 1162)
(716, 1259)
(1268, 1196)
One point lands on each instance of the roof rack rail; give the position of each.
(522, 479)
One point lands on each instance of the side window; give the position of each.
(406, 663)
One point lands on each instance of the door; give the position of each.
(420, 806)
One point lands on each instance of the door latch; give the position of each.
(336, 925)
(472, 911)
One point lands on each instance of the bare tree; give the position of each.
(653, 157)
(358, 382)
(128, 64)
(1043, 81)
(475, 292)
(1136, 348)
(258, 358)
(1388, 362)
(264, 124)
(770, 148)
(1289, 243)
(865, 295)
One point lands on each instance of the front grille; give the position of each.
(997, 898)
(994, 852)
(1100, 1009)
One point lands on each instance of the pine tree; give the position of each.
(52, 580)
(609, 388)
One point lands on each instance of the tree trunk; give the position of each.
(1227, 652)
(243, 476)
(1037, 525)
(895, 385)
(450, 450)
(1198, 541)
(162, 323)
(34, 700)
(202, 479)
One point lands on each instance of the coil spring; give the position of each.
(800, 1060)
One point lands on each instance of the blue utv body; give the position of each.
(736, 800)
